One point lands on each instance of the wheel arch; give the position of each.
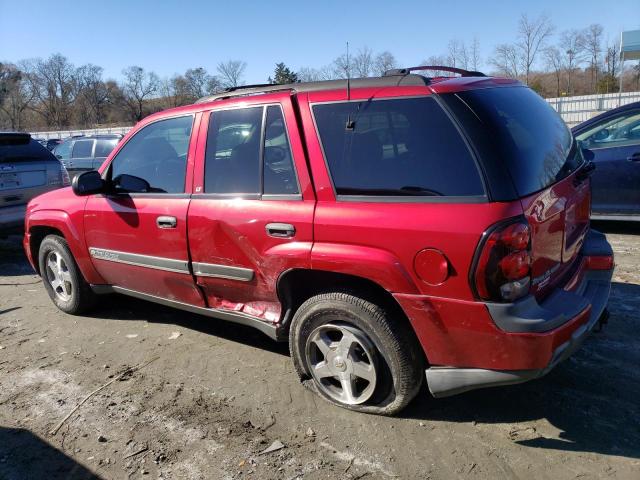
(295, 286)
(57, 222)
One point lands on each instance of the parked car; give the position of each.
(52, 143)
(27, 169)
(386, 227)
(84, 153)
(614, 139)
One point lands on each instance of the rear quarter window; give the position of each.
(526, 135)
(396, 147)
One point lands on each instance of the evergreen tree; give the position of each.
(283, 75)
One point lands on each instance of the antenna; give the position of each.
(351, 125)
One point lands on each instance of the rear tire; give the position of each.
(352, 354)
(62, 278)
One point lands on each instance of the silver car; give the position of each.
(27, 169)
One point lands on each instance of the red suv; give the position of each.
(384, 226)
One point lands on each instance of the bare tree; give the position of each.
(15, 95)
(532, 36)
(363, 62)
(308, 74)
(231, 73)
(54, 85)
(553, 60)
(197, 82)
(611, 59)
(343, 67)
(592, 38)
(93, 94)
(453, 53)
(137, 87)
(572, 48)
(505, 59)
(384, 61)
(474, 54)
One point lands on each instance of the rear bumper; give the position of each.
(473, 345)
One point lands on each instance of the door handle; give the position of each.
(166, 222)
(634, 157)
(280, 230)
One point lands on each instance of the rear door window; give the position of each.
(400, 147)
(82, 149)
(104, 147)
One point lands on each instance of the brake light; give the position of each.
(65, 176)
(503, 267)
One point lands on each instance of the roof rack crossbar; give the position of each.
(440, 68)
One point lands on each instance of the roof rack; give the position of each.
(242, 90)
(440, 68)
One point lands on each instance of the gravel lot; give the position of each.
(215, 396)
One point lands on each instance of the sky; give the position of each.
(169, 37)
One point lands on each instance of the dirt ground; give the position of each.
(216, 396)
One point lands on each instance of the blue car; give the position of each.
(614, 139)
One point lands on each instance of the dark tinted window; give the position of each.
(156, 154)
(14, 148)
(279, 173)
(232, 162)
(405, 147)
(104, 147)
(527, 135)
(63, 151)
(82, 149)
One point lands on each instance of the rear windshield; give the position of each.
(527, 135)
(14, 148)
(399, 147)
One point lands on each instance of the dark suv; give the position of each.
(27, 169)
(386, 227)
(81, 154)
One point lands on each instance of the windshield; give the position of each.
(527, 136)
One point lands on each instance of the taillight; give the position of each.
(503, 265)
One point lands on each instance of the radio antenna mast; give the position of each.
(350, 123)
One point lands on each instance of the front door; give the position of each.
(137, 234)
(251, 217)
(615, 142)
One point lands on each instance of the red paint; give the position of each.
(420, 252)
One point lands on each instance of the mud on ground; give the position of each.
(216, 396)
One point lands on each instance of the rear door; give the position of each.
(251, 215)
(137, 234)
(615, 142)
(81, 156)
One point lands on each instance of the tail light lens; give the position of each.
(65, 176)
(503, 266)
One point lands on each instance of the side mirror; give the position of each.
(87, 183)
(588, 155)
(130, 184)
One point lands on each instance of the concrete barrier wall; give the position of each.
(573, 111)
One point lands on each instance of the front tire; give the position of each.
(62, 278)
(351, 353)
